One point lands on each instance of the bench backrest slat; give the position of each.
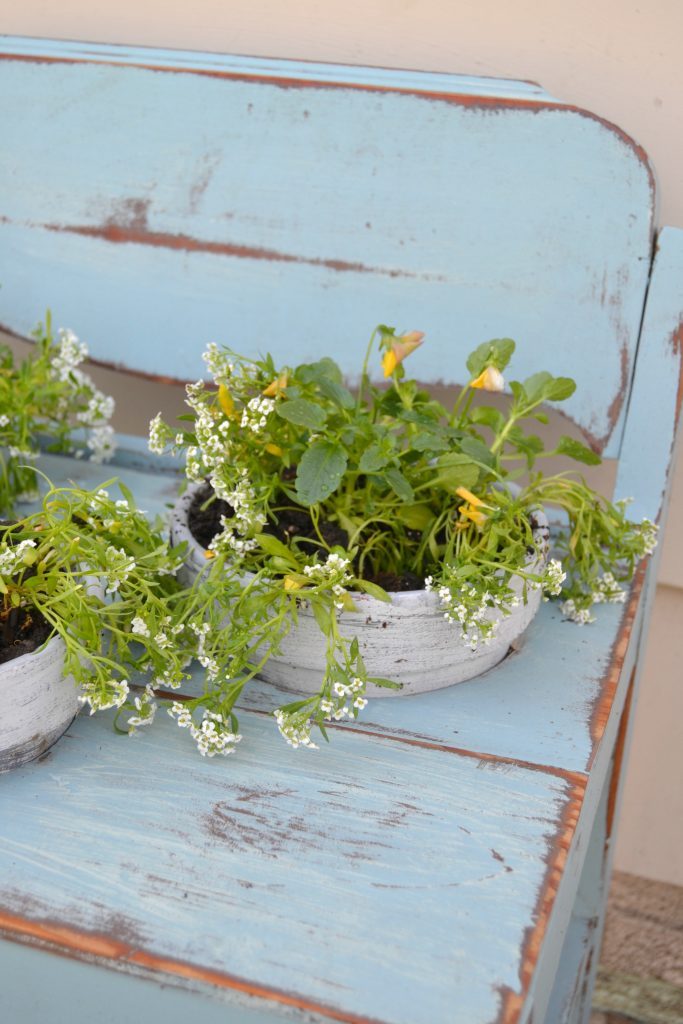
(157, 201)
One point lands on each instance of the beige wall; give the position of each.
(619, 58)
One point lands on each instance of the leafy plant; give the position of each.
(48, 394)
(93, 571)
(326, 492)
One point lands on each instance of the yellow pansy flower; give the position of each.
(401, 347)
(276, 387)
(490, 379)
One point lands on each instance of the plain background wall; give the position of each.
(620, 59)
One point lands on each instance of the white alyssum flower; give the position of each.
(139, 626)
(295, 729)
(157, 436)
(217, 363)
(606, 589)
(119, 567)
(4, 420)
(213, 736)
(100, 696)
(581, 616)
(71, 354)
(333, 573)
(146, 707)
(553, 577)
(101, 443)
(255, 414)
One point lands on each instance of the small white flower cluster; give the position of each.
(101, 696)
(201, 631)
(647, 537)
(22, 453)
(246, 518)
(4, 420)
(336, 707)
(101, 443)
(553, 577)
(217, 363)
(100, 407)
(119, 567)
(157, 436)
(607, 589)
(146, 708)
(139, 627)
(581, 616)
(333, 571)
(12, 559)
(295, 729)
(255, 414)
(71, 354)
(468, 606)
(213, 736)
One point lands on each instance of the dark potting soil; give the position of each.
(22, 630)
(205, 523)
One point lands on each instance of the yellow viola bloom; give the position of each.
(226, 400)
(489, 379)
(401, 347)
(291, 584)
(209, 554)
(474, 514)
(276, 387)
(273, 449)
(462, 492)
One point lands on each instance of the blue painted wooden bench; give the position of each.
(446, 858)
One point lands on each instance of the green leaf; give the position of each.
(426, 441)
(561, 388)
(488, 417)
(478, 451)
(302, 412)
(373, 590)
(337, 393)
(373, 459)
(320, 472)
(272, 546)
(497, 352)
(576, 450)
(455, 470)
(398, 483)
(543, 387)
(415, 517)
(322, 369)
(390, 684)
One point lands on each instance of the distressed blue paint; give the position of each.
(348, 206)
(466, 224)
(647, 455)
(107, 996)
(192, 61)
(365, 877)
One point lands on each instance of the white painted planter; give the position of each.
(37, 704)
(408, 640)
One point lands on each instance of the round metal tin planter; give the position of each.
(37, 704)
(408, 641)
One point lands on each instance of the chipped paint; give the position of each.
(513, 1002)
(93, 946)
(602, 708)
(134, 231)
(491, 104)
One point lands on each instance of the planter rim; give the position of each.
(40, 654)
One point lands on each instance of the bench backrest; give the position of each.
(159, 200)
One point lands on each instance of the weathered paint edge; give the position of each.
(512, 1002)
(109, 952)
